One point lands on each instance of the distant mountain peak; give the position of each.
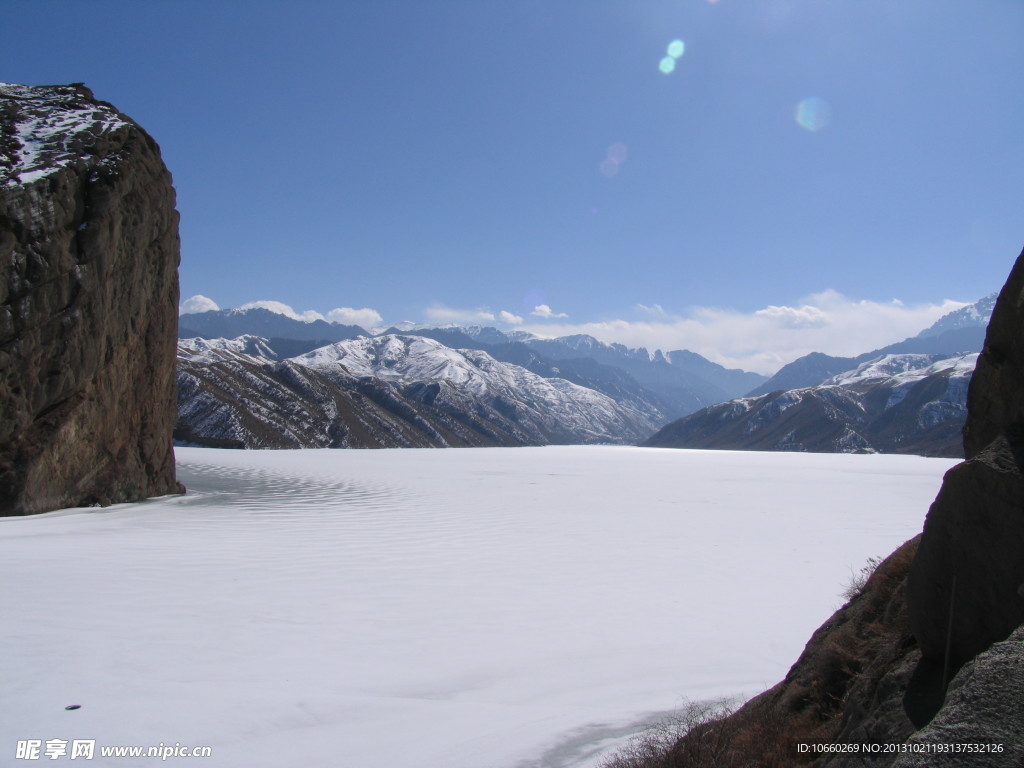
(263, 322)
(895, 403)
(974, 315)
(389, 390)
(212, 350)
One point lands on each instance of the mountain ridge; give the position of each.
(911, 403)
(671, 384)
(656, 388)
(385, 391)
(962, 330)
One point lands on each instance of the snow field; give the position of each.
(432, 608)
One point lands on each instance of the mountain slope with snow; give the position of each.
(959, 332)
(559, 410)
(385, 391)
(911, 403)
(260, 321)
(974, 315)
(683, 379)
(663, 385)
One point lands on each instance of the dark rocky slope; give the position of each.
(88, 304)
(966, 588)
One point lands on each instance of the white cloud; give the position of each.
(508, 317)
(437, 313)
(655, 310)
(365, 317)
(795, 317)
(283, 309)
(766, 339)
(543, 310)
(196, 304)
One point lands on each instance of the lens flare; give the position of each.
(676, 48)
(813, 114)
(614, 158)
(667, 65)
(618, 152)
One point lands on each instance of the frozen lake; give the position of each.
(461, 608)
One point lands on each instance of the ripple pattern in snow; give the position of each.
(425, 608)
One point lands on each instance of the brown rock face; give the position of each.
(966, 586)
(996, 397)
(88, 304)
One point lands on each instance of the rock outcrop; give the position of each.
(966, 587)
(996, 402)
(88, 304)
(984, 707)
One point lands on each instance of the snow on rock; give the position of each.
(564, 406)
(214, 350)
(973, 315)
(47, 139)
(905, 368)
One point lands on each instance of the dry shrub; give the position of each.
(859, 581)
(841, 665)
(659, 745)
(711, 734)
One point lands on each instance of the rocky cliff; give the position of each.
(966, 587)
(88, 304)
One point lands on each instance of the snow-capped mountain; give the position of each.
(488, 335)
(664, 385)
(975, 315)
(248, 348)
(685, 380)
(558, 409)
(906, 403)
(896, 370)
(958, 332)
(259, 321)
(384, 391)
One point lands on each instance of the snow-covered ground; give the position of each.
(464, 608)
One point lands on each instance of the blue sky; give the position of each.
(469, 159)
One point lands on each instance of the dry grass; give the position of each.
(712, 734)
